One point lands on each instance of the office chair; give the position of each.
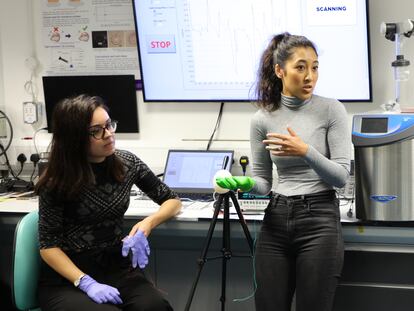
(26, 263)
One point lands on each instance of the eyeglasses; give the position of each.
(98, 132)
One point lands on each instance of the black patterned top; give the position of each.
(94, 220)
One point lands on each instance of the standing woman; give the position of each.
(83, 196)
(300, 246)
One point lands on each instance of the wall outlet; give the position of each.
(14, 152)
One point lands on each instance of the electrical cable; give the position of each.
(21, 169)
(253, 267)
(22, 160)
(35, 159)
(3, 153)
(34, 137)
(31, 175)
(4, 149)
(31, 88)
(216, 126)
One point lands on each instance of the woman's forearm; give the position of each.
(168, 209)
(61, 263)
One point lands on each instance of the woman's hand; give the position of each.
(144, 225)
(286, 145)
(98, 292)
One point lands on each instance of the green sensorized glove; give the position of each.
(244, 183)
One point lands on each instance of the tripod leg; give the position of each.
(225, 249)
(202, 259)
(242, 221)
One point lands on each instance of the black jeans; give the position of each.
(108, 267)
(300, 247)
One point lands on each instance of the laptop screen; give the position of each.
(192, 171)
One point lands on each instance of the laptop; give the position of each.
(190, 172)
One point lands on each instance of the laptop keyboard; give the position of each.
(149, 204)
(196, 196)
(182, 195)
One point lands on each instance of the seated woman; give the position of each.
(83, 195)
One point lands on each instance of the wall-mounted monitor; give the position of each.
(118, 92)
(193, 50)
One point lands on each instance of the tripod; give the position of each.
(226, 251)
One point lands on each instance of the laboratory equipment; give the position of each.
(384, 168)
(396, 32)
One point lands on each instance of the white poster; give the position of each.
(95, 37)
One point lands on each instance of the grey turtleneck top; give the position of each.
(322, 124)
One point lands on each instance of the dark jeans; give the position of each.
(300, 247)
(107, 267)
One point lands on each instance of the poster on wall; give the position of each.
(89, 37)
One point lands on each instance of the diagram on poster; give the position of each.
(89, 37)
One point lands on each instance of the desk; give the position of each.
(378, 273)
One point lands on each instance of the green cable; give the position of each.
(254, 269)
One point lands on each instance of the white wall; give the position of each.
(168, 125)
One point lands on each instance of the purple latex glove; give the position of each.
(138, 244)
(100, 293)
